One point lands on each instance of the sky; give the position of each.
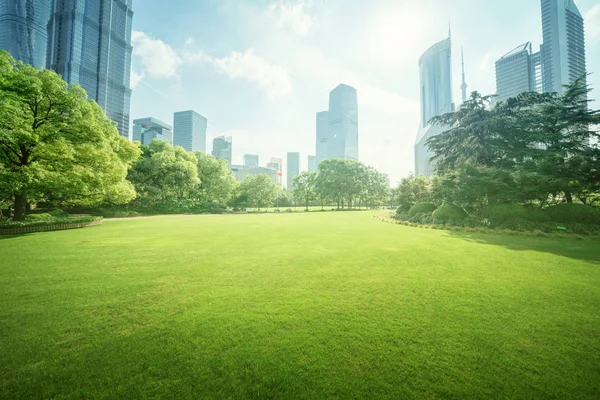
(259, 70)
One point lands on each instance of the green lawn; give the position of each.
(315, 305)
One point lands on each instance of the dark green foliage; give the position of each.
(46, 220)
(574, 213)
(538, 215)
(499, 213)
(450, 212)
(58, 213)
(421, 208)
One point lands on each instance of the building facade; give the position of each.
(277, 165)
(251, 160)
(322, 142)
(312, 164)
(563, 51)
(518, 71)
(24, 30)
(89, 43)
(190, 131)
(145, 130)
(435, 71)
(241, 172)
(223, 149)
(293, 168)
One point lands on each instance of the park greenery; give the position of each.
(528, 163)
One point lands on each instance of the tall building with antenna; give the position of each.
(464, 86)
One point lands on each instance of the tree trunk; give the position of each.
(569, 196)
(20, 207)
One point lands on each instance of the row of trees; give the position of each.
(58, 147)
(534, 149)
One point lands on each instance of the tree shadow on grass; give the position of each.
(587, 249)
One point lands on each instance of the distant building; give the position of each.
(190, 131)
(312, 164)
(323, 136)
(563, 50)
(293, 168)
(223, 148)
(24, 30)
(89, 43)
(435, 69)
(277, 165)
(145, 130)
(241, 172)
(251, 160)
(517, 72)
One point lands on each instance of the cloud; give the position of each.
(136, 78)
(155, 58)
(274, 79)
(292, 14)
(487, 61)
(592, 23)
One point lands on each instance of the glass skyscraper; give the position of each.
(24, 30)
(563, 51)
(223, 149)
(435, 69)
(89, 43)
(145, 130)
(518, 71)
(293, 168)
(251, 160)
(190, 131)
(322, 147)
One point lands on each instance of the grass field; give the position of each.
(316, 305)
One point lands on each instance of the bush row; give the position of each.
(46, 221)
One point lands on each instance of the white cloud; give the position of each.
(155, 58)
(274, 79)
(592, 23)
(136, 78)
(292, 14)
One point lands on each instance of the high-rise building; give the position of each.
(337, 128)
(251, 160)
(223, 148)
(89, 43)
(241, 172)
(517, 71)
(293, 168)
(277, 165)
(190, 131)
(322, 146)
(24, 31)
(563, 51)
(435, 69)
(312, 164)
(145, 130)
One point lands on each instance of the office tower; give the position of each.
(563, 51)
(435, 70)
(251, 160)
(464, 86)
(517, 71)
(277, 165)
(312, 164)
(293, 169)
(23, 30)
(343, 123)
(145, 130)
(223, 148)
(322, 146)
(190, 131)
(241, 172)
(89, 43)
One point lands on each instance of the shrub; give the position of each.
(449, 212)
(39, 217)
(474, 222)
(500, 213)
(46, 222)
(58, 213)
(516, 224)
(422, 208)
(538, 216)
(402, 209)
(574, 213)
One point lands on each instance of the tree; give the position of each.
(165, 176)
(259, 190)
(217, 183)
(55, 144)
(304, 188)
(413, 190)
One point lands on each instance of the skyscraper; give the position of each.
(435, 69)
(277, 165)
(517, 71)
(563, 51)
(312, 164)
(337, 128)
(23, 30)
(251, 160)
(293, 168)
(145, 130)
(223, 148)
(89, 43)
(190, 131)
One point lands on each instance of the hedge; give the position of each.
(449, 212)
(422, 208)
(14, 227)
(574, 213)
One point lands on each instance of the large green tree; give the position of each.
(304, 188)
(258, 191)
(55, 144)
(217, 183)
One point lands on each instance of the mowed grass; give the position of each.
(316, 305)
